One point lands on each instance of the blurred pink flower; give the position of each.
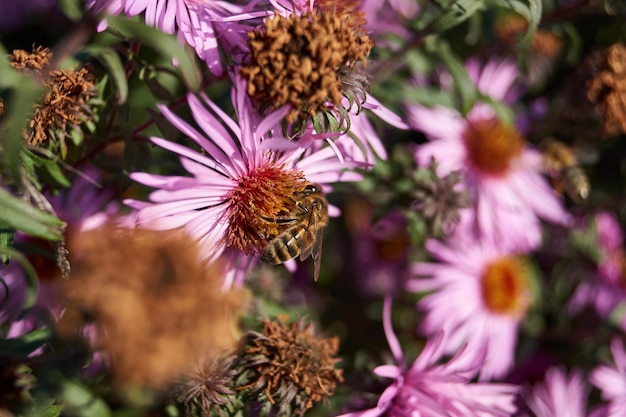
(559, 395)
(605, 289)
(206, 26)
(386, 17)
(478, 294)
(245, 170)
(611, 380)
(500, 169)
(430, 389)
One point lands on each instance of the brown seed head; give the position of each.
(208, 388)
(291, 365)
(607, 87)
(439, 202)
(158, 311)
(35, 61)
(297, 61)
(64, 106)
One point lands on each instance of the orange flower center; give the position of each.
(505, 286)
(492, 145)
(259, 199)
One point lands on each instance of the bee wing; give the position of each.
(317, 253)
(312, 225)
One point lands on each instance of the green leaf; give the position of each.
(462, 81)
(19, 109)
(72, 9)
(53, 169)
(459, 12)
(504, 112)
(9, 75)
(6, 241)
(165, 44)
(28, 343)
(534, 18)
(158, 90)
(113, 64)
(81, 402)
(19, 215)
(52, 410)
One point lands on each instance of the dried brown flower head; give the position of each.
(35, 61)
(438, 201)
(607, 87)
(63, 107)
(546, 46)
(208, 389)
(307, 61)
(512, 28)
(291, 365)
(158, 311)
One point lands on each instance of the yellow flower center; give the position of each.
(492, 145)
(258, 200)
(505, 286)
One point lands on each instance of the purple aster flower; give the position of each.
(479, 294)
(499, 168)
(389, 17)
(605, 289)
(559, 395)
(430, 389)
(611, 380)
(242, 183)
(205, 25)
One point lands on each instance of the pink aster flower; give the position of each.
(559, 395)
(605, 289)
(243, 181)
(611, 380)
(502, 173)
(389, 17)
(206, 26)
(431, 389)
(479, 294)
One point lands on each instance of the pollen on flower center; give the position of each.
(301, 60)
(492, 145)
(256, 202)
(505, 286)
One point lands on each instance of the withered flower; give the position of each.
(209, 389)
(438, 201)
(33, 61)
(309, 60)
(65, 105)
(290, 365)
(546, 46)
(607, 87)
(158, 311)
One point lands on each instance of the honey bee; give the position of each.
(562, 165)
(303, 229)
